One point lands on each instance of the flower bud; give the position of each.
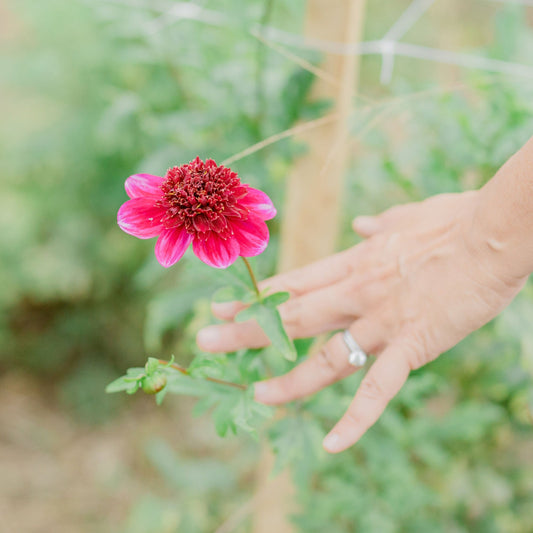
(154, 383)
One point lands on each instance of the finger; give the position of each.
(391, 219)
(226, 310)
(321, 369)
(297, 282)
(366, 226)
(382, 382)
(321, 311)
(231, 337)
(309, 315)
(410, 214)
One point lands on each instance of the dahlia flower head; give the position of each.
(200, 203)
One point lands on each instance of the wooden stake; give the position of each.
(313, 204)
(312, 209)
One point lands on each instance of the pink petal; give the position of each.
(171, 246)
(142, 185)
(216, 251)
(139, 217)
(259, 203)
(252, 236)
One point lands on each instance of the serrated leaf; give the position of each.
(182, 384)
(223, 416)
(296, 441)
(212, 366)
(238, 410)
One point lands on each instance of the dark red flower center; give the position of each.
(201, 197)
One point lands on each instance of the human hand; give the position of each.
(413, 289)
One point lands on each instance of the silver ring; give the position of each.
(357, 355)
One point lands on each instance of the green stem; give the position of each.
(252, 275)
(213, 380)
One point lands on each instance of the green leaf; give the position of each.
(276, 299)
(238, 410)
(223, 416)
(296, 442)
(137, 371)
(249, 313)
(134, 388)
(270, 321)
(208, 366)
(121, 384)
(181, 384)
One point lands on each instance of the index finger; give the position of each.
(381, 383)
(311, 277)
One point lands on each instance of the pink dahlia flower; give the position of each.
(199, 203)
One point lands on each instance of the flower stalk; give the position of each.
(252, 276)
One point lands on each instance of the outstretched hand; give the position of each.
(413, 289)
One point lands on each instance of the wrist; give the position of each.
(501, 231)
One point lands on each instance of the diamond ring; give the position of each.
(357, 355)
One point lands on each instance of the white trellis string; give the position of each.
(190, 11)
(520, 2)
(406, 21)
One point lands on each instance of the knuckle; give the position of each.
(372, 389)
(353, 418)
(291, 313)
(418, 349)
(325, 360)
(416, 359)
(287, 384)
(292, 283)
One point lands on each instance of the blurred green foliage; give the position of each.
(95, 91)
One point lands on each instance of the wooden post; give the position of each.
(312, 209)
(313, 202)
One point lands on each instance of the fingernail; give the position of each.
(207, 337)
(332, 442)
(261, 390)
(366, 225)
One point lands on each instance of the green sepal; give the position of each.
(160, 396)
(151, 366)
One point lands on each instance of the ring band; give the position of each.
(357, 355)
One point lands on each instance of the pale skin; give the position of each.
(426, 275)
